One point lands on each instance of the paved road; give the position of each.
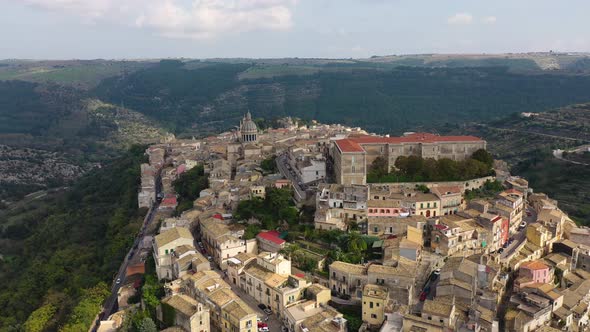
(110, 305)
(274, 324)
(520, 236)
(290, 175)
(559, 154)
(536, 133)
(431, 285)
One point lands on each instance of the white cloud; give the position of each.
(460, 19)
(489, 20)
(176, 18)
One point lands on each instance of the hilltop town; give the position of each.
(289, 232)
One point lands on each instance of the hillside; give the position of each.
(51, 134)
(64, 243)
(58, 119)
(193, 99)
(527, 145)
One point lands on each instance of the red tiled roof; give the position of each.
(414, 138)
(272, 236)
(534, 265)
(352, 144)
(347, 145)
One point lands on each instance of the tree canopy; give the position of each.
(417, 169)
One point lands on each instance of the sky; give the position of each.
(116, 29)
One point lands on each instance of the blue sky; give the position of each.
(86, 29)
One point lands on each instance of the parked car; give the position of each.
(501, 250)
(263, 329)
(261, 325)
(209, 258)
(522, 225)
(423, 296)
(261, 306)
(529, 214)
(437, 272)
(267, 311)
(118, 281)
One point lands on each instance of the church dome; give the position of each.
(248, 126)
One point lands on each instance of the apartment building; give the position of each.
(350, 279)
(237, 316)
(337, 205)
(374, 302)
(511, 204)
(164, 246)
(224, 241)
(227, 311)
(451, 199)
(455, 233)
(184, 312)
(268, 280)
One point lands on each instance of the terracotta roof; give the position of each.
(415, 138)
(347, 145)
(534, 265)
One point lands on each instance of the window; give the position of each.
(428, 205)
(377, 304)
(166, 251)
(371, 305)
(376, 229)
(373, 316)
(333, 274)
(421, 205)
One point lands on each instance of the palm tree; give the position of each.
(290, 250)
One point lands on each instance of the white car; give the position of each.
(522, 224)
(118, 281)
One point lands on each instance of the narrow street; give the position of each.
(274, 324)
(289, 174)
(520, 236)
(110, 305)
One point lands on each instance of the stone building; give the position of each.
(353, 155)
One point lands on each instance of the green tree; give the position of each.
(379, 167)
(269, 165)
(39, 319)
(147, 325)
(355, 242)
(86, 310)
(484, 156)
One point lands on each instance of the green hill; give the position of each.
(381, 99)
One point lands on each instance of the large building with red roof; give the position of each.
(353, 155)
